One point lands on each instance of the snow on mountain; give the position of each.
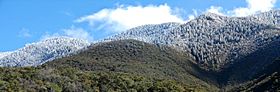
(212, 40)
(271, 17)
(3, 54)
(152, 33)
(38, 53)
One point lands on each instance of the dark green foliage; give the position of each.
(251, 66)
(133, 66)
(72, 79)
(151, 61)
(127, 65)
(265, 80)
(137, 58)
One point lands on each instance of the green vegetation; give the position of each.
(134, 66)
(137, 58)
(269, 83)
(266, 80)
(73, 79)
(118, 66)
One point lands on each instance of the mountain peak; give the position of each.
(211, 16)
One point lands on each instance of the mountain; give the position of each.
(210, 53)
(214, 41)
(251, 67)
(125, 65)
(137, 58)
(38, 53)
(3, 54)
(234, 50)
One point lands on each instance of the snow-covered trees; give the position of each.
(213, 40)
(38, 53)
(3, 54)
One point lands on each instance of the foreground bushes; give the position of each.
(72, 79)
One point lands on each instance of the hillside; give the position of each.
(137, 58)
(71, 79)
(214, 41)
(115, 65)
(40, 52)
(3, 54)
(209, 53)
(252, 65)
(267, 79)
(111, 66)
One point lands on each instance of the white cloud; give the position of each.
(254, 6)
(215, 9)
(25, 33)
(192, 16)
(123, 18)
(77, 33)
(72, 32)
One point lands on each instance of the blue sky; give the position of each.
(27, 21)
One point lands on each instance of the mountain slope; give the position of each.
(125, 65)
(232, 49)
(38, 53)
(214, 41)
(137, 58)
(3, 54)
(252, 64)
(267, 79)
(71, 79)
(231, 53)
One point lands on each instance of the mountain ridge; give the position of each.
(211, 52)
(211, 38)
(221, 34)
(40, 52)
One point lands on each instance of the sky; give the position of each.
(27, 21)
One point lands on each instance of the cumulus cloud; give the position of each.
(215, 9)
(123, 18)
(72, 32)
(77, 33)
(254, 6)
